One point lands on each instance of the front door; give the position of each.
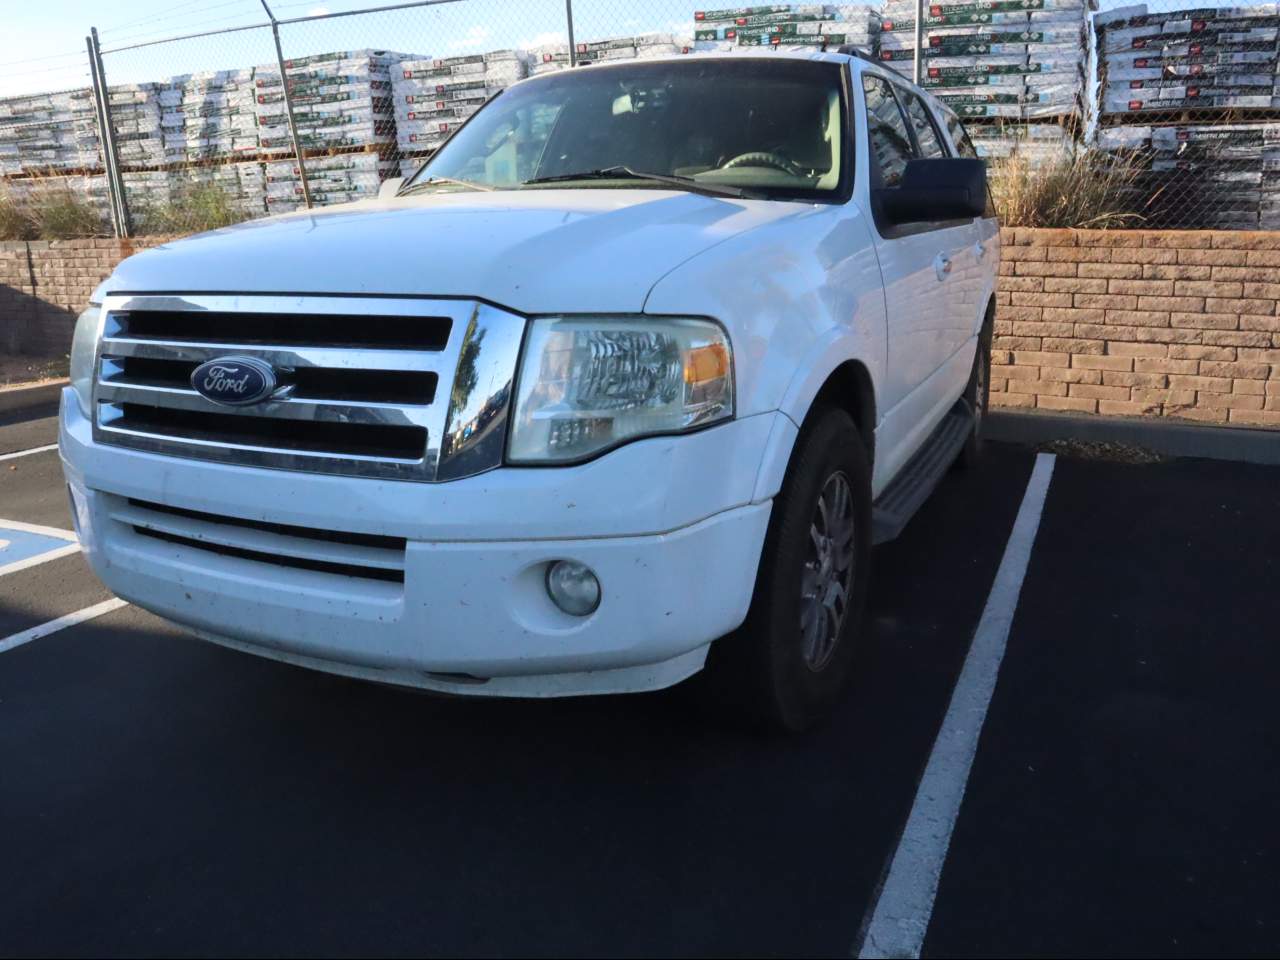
(929, 270)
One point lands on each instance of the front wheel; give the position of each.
(789, 663)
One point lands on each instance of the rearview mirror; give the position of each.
(954, 188)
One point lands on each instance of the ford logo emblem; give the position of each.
(234, 381)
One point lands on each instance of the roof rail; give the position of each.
(851, 50)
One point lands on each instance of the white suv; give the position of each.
(623, 384)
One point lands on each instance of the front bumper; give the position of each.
(668, 524)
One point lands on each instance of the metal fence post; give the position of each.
(288, 108)
(120, 219)
(916, 66)
(573, 50)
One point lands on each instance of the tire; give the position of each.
(782, 670)
(978, 395)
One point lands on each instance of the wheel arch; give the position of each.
(849, 386)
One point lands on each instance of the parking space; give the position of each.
(179, 798)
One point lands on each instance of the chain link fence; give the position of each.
(1181, 104)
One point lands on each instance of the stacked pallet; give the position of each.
(43, 133)
(816, 25)
(556, 56)
(996, 59)
(1222, 176)
(135, 119)
(207, 116)
(432, 98)
(1037, 143)
(336, 179)
(341, 99)
(50, 133)
(1191, 97)
(1221, 59)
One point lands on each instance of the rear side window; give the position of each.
(926, 133)
(964, 146)
(891, 144)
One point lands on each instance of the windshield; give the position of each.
(774, 127)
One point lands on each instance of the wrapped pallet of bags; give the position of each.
(208, 115)
(135, 117)
(341, 99)
(1203, 84)
(337, 179)
(803, 25)
(1222, 58)
(432, 98)
(44, 133)
(999, 63)
(1219, 176)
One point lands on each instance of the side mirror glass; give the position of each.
(952, 188)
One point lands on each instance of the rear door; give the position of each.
(919, 262)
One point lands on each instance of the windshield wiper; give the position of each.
(626, 173)
(443, 182)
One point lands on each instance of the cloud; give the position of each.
(473, 39)
(319, 12)
(546, 39)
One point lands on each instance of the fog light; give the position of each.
(573, 587)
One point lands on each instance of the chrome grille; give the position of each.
(369, 386)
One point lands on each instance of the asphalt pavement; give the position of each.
(165, 796)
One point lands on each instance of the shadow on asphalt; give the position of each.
(177, 798)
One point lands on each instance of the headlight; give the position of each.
(590, 383)
(83, 345)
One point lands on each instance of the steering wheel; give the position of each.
(763, 158)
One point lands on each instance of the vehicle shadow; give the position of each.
(205, 797)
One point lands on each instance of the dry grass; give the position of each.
(1087, 190)
(14, 223)
(51, 211)
(194, 208)
(57, 213)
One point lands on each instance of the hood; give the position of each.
(534, 251)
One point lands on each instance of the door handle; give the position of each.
(942, 266)
(979, 250)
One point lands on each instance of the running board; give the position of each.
(914, 482)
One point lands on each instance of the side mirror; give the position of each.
(389, 188)
(954, 188)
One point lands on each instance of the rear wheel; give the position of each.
(789, 663)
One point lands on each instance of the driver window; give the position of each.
(926, 135)
(887, 130)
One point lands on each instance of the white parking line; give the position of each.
(901, 917)
(53, 626)
(27, 453)
(55, 554)
(54, 532)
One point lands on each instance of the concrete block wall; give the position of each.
(1180, 323)
(1114, 322)
(45, 284)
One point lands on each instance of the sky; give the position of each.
(42, 42)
